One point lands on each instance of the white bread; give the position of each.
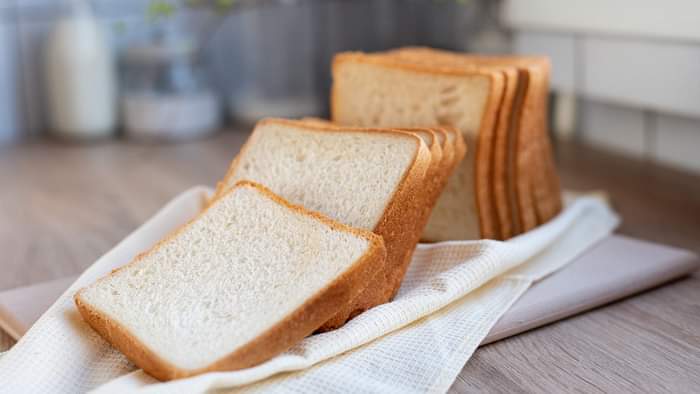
(381, 91)
(364, 178)
(245, 280)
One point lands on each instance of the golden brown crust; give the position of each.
(483, 150)
(422, 206)
(550, 203)
(395, 227)
(293, 328)
(518, 207)
(500, 157)
(538, 179)
(522, 166)
(437, 181)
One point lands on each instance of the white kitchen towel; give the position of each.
(454, 292)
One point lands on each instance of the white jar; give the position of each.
(166, 95)
(80, 77)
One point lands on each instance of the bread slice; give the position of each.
(421, 206)
(382, 91)
(368, 179)
(245, 280)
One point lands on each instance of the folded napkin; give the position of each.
(453, 293)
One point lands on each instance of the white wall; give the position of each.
(634, 64)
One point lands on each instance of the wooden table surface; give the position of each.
(62, 206)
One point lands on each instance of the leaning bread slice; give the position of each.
(378, 90)
(416, 213)
(366, 178)
(244, 281)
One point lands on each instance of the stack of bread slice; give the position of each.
(509, 184)
(316, 222)
(381, 180)
(328, 236)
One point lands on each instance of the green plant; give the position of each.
(164, 9)
(159, 9)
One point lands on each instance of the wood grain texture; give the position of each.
(62, 206)
(649, 343)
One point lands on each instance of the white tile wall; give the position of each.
(677, 142)
(616, 128)
(639, 97)
(662, 76)
(561, 48)
(669, 139)
(668, 19)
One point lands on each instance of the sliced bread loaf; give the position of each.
(531, 161)
(382, 91)
(245, 280)
(368, 179)
(504, 198)
(524, 186)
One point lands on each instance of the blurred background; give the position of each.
(110, 108)
(624, 72)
